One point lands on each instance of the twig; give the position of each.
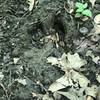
(5, 90)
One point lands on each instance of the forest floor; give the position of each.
(47, 52)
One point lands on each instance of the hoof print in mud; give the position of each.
(50, 15)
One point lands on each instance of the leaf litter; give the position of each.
(73, 80)
(71, 61)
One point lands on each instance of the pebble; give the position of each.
(15, 60)
(83, 30)
(62, 43)
(97, 19)
(95, 38)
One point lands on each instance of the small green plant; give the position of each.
(81, 9)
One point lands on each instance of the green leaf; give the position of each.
(79, 10)
(87, 12)
(77, 15)
(85, 5)
(79, 5)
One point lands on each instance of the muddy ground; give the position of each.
(28, 38)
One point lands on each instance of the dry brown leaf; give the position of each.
(61, 83)
(92, 2)
(68, 61)
(98, 94)
(95, 59)
(79, 78)
(98, 77)
(21, 81)
(75, 61)
(47, 97)
(70, 96)
(15, 60)
(1, 76)
(97, 29)
(92, 91)
(73, 94)
(56, 86)
(52, 60)
(68, 79)
(31, 4)
(34, 94)
(97, 19)
(71, 61)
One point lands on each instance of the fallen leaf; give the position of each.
(71, 61)
(89, 53)
(70, 96)
(57, 96)
(47, 97)
(31, 4)
(61, 83)
(52, 60)
(68, 61)
(56, 86)
(16, 60)
(79, 78)
(1, 76)
(92, 2)
(75, 61)
(21, 81)
(92, 91)
(97, 29)
(34, 94)
(98, 77)
(68, 79)
(64, 62)
(95, 59)
(73, 94)
(97, 19)
(98, 94)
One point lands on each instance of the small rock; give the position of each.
(62, 43)
(95, 38)
(85, 18)
(97, 19)
(15, 60)
(83, 30)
